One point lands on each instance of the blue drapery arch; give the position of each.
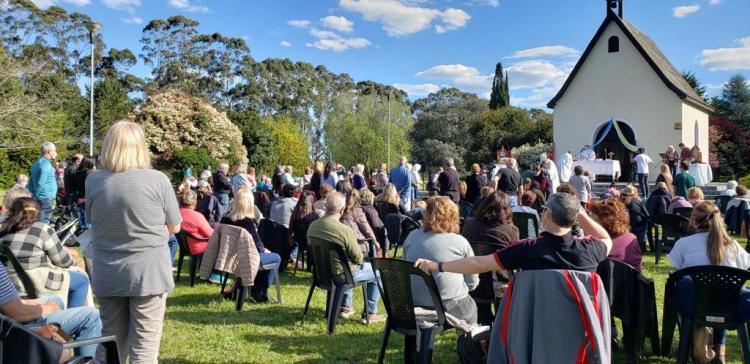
(610, 124)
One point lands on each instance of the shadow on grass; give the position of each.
(362, 347)
(256, 314)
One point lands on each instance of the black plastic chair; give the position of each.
(716, 290)
(300, 239)
(632, 299)
(276, 238)
(14, 336)
(722, 202)
(398, 226)
(194, 261)
(673, 227)
(484, 294)
(26, 282)
(396, 276)
(240, 291)
(683, 211)
(324, 255)
(521, 220)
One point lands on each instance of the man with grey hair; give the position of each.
(555, 248)
(401, 179)
(222, 185)
(329, 230)
(43, 183)
(449, 181)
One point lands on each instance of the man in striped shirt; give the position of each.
(80, 323)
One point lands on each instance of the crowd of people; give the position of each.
(130, 213)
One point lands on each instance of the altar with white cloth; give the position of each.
(702, 173)
(609, 167)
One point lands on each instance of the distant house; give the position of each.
(623, 76)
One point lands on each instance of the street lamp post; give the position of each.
(93, 27)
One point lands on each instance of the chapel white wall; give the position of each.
(622, 85)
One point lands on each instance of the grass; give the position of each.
(199, 328)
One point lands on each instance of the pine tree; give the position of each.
(500, 97)
(734, 103)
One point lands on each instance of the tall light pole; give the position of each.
(93, 27)
(389, 129)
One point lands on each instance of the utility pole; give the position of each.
(389, 129)
(92, 30)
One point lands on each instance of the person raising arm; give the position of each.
(556, 248)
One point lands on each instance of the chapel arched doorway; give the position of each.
(612, 147)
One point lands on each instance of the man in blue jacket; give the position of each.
(401, 179)
(42, 182)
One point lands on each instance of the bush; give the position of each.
(195, 158)
(14, 162)
(529, 153)
(174, 121)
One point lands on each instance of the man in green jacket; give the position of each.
(328, 230)
(683, 181)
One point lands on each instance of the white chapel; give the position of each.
(623, 94)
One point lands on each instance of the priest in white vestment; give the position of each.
(566, 167)
(551, 168)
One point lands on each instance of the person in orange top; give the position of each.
(194, 224)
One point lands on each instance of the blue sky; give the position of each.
(422, 45)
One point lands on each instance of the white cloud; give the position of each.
(330, 41)
(299, 23)
(133, 20)
(323, 34)
(123, 5)
(727, 59)
(418, 90)
(187, 6)
(492, 3)
(715, 2)
(44, 4)
(400, 19)
(537, 98)
(534, 74)
(338, 23)
(683, 11)
(285, 44)
(545, 51)
(339, 44)
(463, 77)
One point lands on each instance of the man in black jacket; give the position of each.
(222, 186)
(449, 181)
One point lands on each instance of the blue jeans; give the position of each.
(223, 199)
(46, 205)
(641, 232)
(81, 212)
(79, 288)
(643, 184)
(365, 274)
(173, 245)
(268, 258)
(81, 323)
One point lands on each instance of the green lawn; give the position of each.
(199, 328)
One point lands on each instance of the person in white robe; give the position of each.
(587, 154)
(566, 167)
(551, 168)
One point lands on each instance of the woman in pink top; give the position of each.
(613, 216)
(194, 224)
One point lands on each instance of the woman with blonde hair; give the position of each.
(439, 241)
(710, 245)
(242, 213)
(695, 196)
(133, 209)
(666, 177)
(389, 202)
(358, 181)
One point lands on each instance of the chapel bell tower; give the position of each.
(615, 6)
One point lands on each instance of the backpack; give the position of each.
(473, 350)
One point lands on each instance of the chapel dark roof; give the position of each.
(656, 59)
